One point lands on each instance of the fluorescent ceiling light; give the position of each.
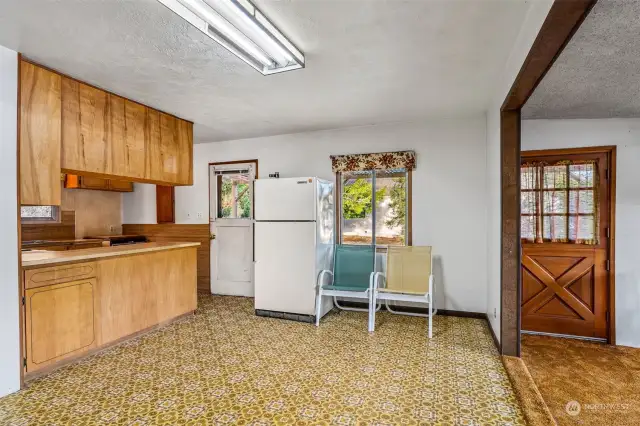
(241, 28)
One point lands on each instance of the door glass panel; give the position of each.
(357, 210)
(581, 201)
(554, 227)
(554, 177)
(234, 195)
(581, 175)
(582, 228)
(391, 207)
(529, 177)
(555, 202)
(528, 227)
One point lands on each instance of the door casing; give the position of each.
(242, 288)
(610, 155)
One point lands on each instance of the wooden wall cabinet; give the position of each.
(69, 126)
(40, 140)
(106, 135)
(100, 184)
(87, 129)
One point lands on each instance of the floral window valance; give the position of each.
(377, 161)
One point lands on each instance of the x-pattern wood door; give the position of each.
(565, 285)
(564, 291)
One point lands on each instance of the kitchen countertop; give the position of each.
(42, 258)
(35, 243)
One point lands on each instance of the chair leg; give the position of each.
(318, 307)
(430, 306)
(372, 312)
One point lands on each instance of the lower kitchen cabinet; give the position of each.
(60, 322)
(71, 309)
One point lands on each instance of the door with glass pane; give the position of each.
(565, 229)
(231, 224)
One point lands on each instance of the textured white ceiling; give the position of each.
(368, 61)
(598, 73)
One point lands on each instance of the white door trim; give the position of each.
(227, 287)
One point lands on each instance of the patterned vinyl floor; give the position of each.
(224, 365)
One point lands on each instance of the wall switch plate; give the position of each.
(188, 215)
(495, 313)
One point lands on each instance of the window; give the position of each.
(234, 194)
(374, 207)
(39, 213)
(559, 202)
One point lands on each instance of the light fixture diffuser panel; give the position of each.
(242, 29)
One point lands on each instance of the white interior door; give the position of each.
(231, 223)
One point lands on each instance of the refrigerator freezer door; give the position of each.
(285, 267)
(287, 199)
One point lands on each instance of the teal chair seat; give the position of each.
(353, 269)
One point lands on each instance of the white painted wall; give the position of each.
(538, 11)
(9, 313)
(625, 134)
(448, 188)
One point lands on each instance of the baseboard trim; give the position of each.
(309, 319)
(418, 310)
(493, 334)
(463, 314)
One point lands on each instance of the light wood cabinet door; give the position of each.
(105, 135)
(86, 128)
(87, 182)
(60, 322)
(185, 152)
(40, 137)
(170, 154)
(120, 186)
(129, 153)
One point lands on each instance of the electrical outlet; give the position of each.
(200, 215)
(495, 313)
(112, 228)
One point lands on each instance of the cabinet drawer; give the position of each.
(58, 274)
(60, 322)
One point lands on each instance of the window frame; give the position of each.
(604, 215)
(408, 214)
(55, 218)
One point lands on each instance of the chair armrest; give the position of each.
(374, 281)
(322, 274)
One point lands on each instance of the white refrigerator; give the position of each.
(294, 236)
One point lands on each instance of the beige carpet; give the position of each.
(585, 383)
(535, 410)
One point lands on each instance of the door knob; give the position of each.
(212, 236)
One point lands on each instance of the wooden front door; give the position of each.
(565, 207)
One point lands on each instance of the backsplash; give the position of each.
(97, 212)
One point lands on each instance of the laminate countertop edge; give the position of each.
(39, 259)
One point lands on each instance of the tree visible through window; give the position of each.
(235, 196)
(374, 205)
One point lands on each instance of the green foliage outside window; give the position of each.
(356, 199)
(244, 201)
